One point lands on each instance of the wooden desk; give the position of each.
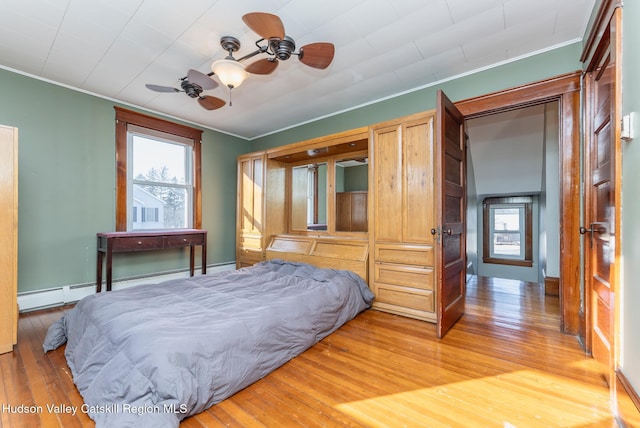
(124, 242)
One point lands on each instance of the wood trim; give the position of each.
(124, 117)
(596, 30)
(328, 145)
(551, 286)
(197, 183)
(520, 96)
(566, 90)
(627, 402)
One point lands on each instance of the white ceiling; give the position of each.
(111, 48)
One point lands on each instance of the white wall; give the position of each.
(472, 217)
(630, 287)
(517, 153)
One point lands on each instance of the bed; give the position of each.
(151, 355)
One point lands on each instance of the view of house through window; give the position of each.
(508, 230)
(158, 178)
(160, 182)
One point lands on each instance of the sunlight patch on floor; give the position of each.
(526, 398)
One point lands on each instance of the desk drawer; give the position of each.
(136, 243)
(419, 255)
(182, 240)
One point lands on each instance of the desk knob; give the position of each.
(184, 240)
(139, 242)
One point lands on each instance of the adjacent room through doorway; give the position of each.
(513, 201)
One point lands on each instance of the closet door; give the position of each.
(250, 215)
(418, 181)
(8, 238)
(388, 201)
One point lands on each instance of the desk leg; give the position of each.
(191, 262)
(204, 259)
(109, 265)
(99, 272)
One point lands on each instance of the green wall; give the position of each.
(67, 186)
(67, 167)
(531, 69)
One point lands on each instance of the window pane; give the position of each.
(506, 244)
(506, 231)
(160, 207)
(159, 161)
(506, 219)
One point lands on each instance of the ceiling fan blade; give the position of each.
(201, 79)
(263, 66)
(265, 25)
(159, 88)
(211, 103)
(317, 55)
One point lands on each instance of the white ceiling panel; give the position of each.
(112, 48)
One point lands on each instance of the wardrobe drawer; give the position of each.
(421, 300)
(409, 276)
(250, 241)
(419, 255)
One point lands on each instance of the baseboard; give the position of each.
(40, 299)
(627, 403)
(551, 286)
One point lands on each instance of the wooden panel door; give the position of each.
(250, 209)
(387, 167)
(451, 213)
(8, 238)
(418, 171)
(602, 214)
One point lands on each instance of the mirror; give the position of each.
(309, 197)
(352, 184)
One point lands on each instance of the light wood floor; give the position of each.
(505, 364)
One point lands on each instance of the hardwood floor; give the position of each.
(505, 364)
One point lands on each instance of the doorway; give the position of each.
(513, 204)
(513, 200)
(565, 90)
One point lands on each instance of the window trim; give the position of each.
(125, 117)
(527, 201)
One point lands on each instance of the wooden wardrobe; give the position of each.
(401, 183)
(408, 218)
(8, 238)
(256, 173)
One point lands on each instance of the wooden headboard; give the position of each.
(324, 252)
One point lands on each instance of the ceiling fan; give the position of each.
(193, 84)
(231, 72)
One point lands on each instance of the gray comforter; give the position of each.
(152, 355)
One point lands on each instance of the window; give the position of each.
(508, 231)
(158, 173)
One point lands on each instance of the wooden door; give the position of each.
(450, 213)
(387, 165)
(8, 237)
(417, 161)
(602, 198)
(250, 210)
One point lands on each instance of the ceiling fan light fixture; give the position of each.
(230, 72)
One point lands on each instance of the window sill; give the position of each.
(510, 262)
